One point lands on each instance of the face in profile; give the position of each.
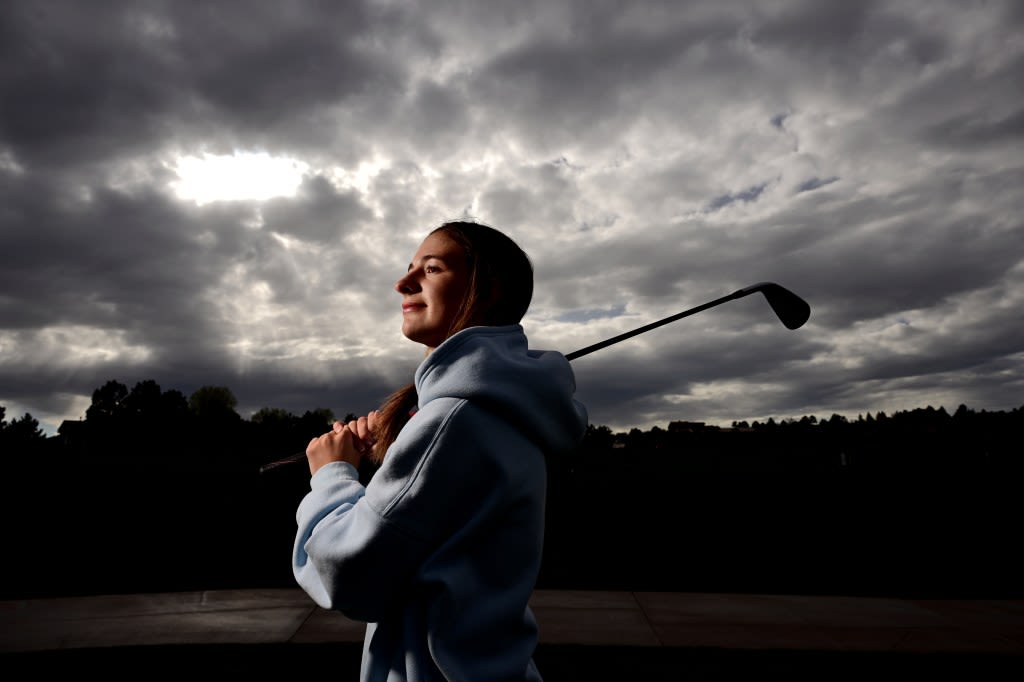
(433, 290)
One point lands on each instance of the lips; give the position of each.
(412, 307)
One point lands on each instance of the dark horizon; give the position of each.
(917, 504)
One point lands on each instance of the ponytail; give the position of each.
(394, 413)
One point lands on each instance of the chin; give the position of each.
(417, 337)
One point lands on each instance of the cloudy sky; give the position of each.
(223, 193)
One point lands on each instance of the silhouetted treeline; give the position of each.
(156, 491)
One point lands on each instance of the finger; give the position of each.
(315, 442)
(364, 428)
(337, 427)
(358, 427)
(371, 424)
(353, 429)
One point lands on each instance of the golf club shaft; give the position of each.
(653, 325)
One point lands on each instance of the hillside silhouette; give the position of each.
(154, 491)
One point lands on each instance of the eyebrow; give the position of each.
(427, 257)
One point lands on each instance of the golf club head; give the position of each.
(792, 310)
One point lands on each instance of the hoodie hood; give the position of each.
(492, 367)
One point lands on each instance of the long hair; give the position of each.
(499, 292)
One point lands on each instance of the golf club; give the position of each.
(791, 310)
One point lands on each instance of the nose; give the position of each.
(406, 284)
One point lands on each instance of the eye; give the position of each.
(431, 269)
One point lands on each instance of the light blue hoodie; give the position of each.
(440, 552)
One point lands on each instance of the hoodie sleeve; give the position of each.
(358, 549)
(334, 491)
(346, 556)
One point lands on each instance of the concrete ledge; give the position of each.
(566, 617)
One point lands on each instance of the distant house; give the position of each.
(688, 427)
(71, 432)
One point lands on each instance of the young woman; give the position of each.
(439, 552)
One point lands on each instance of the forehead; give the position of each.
(438, 245)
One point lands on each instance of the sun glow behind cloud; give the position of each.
(240, 176)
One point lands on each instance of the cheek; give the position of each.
(452, 296)
(453, 300)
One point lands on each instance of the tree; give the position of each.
(328, 415)
(272, 416)
(26, 426)
(597, 438)
(20, 434)
(174, 405)
(213, 402)
(144, 400)
(315, 422)
(107, 402)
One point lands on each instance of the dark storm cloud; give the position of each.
(106, 258)
(145, 72)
